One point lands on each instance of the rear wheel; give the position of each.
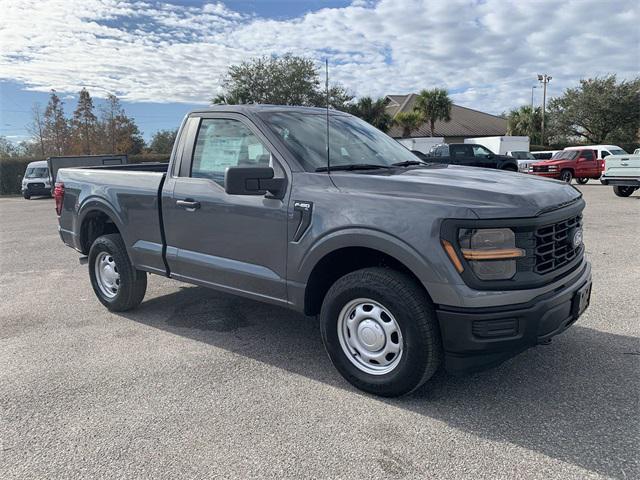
(510, 168)
(380, 331)
(115, 281)
(566, 176)
(26, 196)
(582, 181)
(621, 191)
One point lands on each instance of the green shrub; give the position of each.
(11, 173)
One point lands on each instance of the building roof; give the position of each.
(465, 122)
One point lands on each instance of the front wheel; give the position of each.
(115, 281)
(26, 196)
(380, 331)
(566, 176)
(582, 181)
(621, 191)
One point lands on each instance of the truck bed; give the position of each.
(131, 193)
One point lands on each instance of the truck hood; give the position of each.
(488, 193)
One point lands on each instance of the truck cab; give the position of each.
(36, 180)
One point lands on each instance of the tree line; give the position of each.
(598, 110)
(88, 131)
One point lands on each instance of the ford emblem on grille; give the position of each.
(576, 238)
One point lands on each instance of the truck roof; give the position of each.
(259, 107)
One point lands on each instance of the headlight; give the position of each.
(491, 252)
(553, 168)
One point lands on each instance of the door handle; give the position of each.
(188, 204)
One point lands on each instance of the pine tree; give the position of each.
(56, 128)
(84, 124)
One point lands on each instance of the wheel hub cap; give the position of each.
(370, 336)
(107, 276)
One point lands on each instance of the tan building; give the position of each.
(465, 122)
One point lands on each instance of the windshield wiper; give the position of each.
(408, 163)
(352, 166)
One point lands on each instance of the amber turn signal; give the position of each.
(493, 254)
(453, 256)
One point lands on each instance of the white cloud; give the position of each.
(486, 53)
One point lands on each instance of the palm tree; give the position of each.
(372, 111)
(434, 105)
(409, 121)
(524, 121)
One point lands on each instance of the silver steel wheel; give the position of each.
(107, 276)
(370, 336)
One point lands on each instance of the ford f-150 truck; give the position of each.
(410, 266)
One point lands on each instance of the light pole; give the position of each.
(543, 79)
(533, 116)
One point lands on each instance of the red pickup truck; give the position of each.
(568, 164)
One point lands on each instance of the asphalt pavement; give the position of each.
(198, 384)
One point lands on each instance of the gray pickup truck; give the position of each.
(410, 266)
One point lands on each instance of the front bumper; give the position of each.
(37, 191)
(478, 338)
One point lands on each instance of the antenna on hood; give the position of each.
(326, 87)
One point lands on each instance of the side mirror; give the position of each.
(253, 181)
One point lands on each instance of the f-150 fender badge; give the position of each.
(305, 209)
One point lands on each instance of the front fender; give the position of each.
(427, 270)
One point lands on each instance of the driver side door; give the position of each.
(236, 243)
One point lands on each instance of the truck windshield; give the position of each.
(37, 172)
(351, 141)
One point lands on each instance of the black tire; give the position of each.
(582, 181)
(26, 196)
(622, 191)
(566, 176)
(408, 303)
(132, 282)
(510, 168)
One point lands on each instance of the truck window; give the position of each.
(588, 155)
(223, 143)
(480, 151)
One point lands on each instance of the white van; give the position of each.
(603, 150)
(36, 180)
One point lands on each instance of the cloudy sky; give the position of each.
(163, 58)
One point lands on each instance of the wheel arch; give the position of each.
(347, 251)
(95, 218)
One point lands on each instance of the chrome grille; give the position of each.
(554, 245)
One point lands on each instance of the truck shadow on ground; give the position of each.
(575, 400)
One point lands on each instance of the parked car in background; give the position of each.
(581, 164)
(423, 144)
(525, 160)
(37, 180)
(502, 144)
(602, 151)
(623, 173)
(410, 266)
(471, 155)
(544, 154)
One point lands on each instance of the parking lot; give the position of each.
(199, 384)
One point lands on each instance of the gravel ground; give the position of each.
(197, 384)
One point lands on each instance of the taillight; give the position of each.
(58, 195)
